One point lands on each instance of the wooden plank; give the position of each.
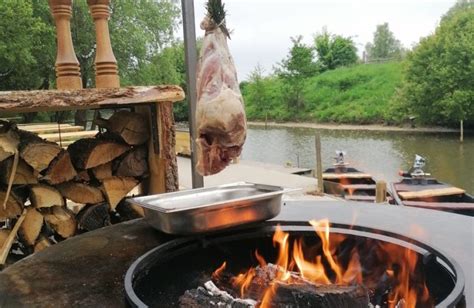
(427, 193)
(69, 136)
(351, 175)
(58, 100)
(183, 143)
(53, 129)
(441, 205)
(359, 186)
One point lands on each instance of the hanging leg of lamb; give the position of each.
(220, 116)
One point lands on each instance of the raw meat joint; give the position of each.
(220, 116)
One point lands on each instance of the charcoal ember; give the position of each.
(211, 296)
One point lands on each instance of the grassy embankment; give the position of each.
(358, 95)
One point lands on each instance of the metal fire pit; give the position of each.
(163, 274)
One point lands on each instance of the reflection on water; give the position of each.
(382, 154)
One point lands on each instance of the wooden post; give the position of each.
(319, 164)
(68, 72)
(380, 192)
(461, 138)
(106, 69)
(161, 162)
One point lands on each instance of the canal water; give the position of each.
(379, 153)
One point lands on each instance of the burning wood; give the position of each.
(330, 274)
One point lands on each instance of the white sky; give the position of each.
(262, 28)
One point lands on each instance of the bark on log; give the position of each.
(26, 101)
(81, 193)
(83, 176)
(133, 163)
(89, 152)
(38, 153)
(42, 243)
(9, 140)
(129, 211)
(7, 244)
(44, 196)
(103, 172)
(131, 127)
(60, 170)
(93, 217)
(61, 220)
(116, 188)
(14, 205)
(31, 227)
(24, 173)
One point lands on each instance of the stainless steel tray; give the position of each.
(208, 209)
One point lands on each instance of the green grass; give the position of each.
(357, 94)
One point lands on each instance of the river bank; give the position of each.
(371, 127)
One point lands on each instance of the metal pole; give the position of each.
(190, 49)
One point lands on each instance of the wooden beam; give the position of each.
(335, 176)
(427, 193)
(59, 100)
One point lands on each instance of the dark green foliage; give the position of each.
(439, 78)
(334, 51)
(298, 65)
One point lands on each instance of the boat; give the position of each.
(347, 182)
(420, 189)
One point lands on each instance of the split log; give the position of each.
(116, 188)
(31, 227)
(129, 211)
(134, 163)
(9, 140)
(44, 196)
(38, 153)
(89, 153)
(24, 173)
(3, 236)
(93, 217)
(324, 296)
(301, 293)
(8, 242)
(60, 170)
(103, 172)
(42, 243)
(14, 205)
(81, 193)
(61, 220)
(74, 206)
(83, 176)
(131, 127)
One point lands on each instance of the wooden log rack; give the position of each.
(94, 173)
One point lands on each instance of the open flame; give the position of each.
(325, 269)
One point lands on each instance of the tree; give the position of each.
(298, 65)
(439, 80)
(384, 45)
(24, 46)
(334, 50)
(256, 90)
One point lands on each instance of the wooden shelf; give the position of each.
(60, 100)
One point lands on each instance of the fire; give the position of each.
(293, 267)
(345, 181)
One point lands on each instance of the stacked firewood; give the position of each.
(57, 193)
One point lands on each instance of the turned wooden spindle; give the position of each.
(106, 70)
(68, 72)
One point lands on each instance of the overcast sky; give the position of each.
(262, 28)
